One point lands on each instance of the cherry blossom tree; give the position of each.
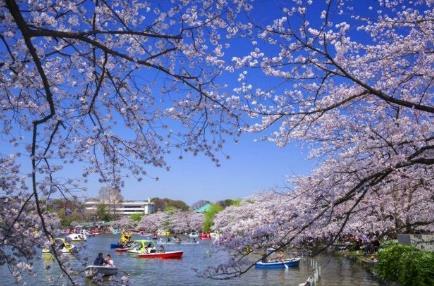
(124, 222)
(115, 86)
(186, 221)
(303, 219)
(177, 222)
(154, 222)
(359, 92)
(19, 223)
(111, 86)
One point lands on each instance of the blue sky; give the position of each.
(252, 167)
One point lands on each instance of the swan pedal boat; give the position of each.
(163, 255)
(293, 262)
(92, 270)
(77, 237)
(57, 242)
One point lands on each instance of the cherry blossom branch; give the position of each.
(14, 10)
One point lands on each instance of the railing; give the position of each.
(315, 276)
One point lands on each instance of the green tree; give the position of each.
(67, 210)
(209, 216)
(163, 204)
(102, 212)
(229, 202)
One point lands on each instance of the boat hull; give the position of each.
(162, 255)
(294, 262)
(121, 249)
(92, 270)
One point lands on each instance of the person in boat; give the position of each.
(108, 261)
(264, 258)
(99, 260)
(150, 249)
(280, 256)
(61, 245)
(161, 248)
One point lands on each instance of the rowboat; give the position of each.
(293, 262)
(162, 255)
(92, 270)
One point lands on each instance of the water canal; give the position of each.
(335, 271)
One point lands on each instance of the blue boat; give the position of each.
(293, 262)
(115, 245)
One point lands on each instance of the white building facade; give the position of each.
(124, 207)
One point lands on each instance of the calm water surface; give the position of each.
(335, 271)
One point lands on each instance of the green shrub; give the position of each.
(406, 265)
(136, 217)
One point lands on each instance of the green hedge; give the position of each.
(406, 265)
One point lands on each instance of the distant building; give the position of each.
(124, 207)
(421, 241)
(199, 204)
(203, 209)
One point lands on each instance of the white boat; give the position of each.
(215, 235)
(92, 270)
(193, 234)
(77, 237)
